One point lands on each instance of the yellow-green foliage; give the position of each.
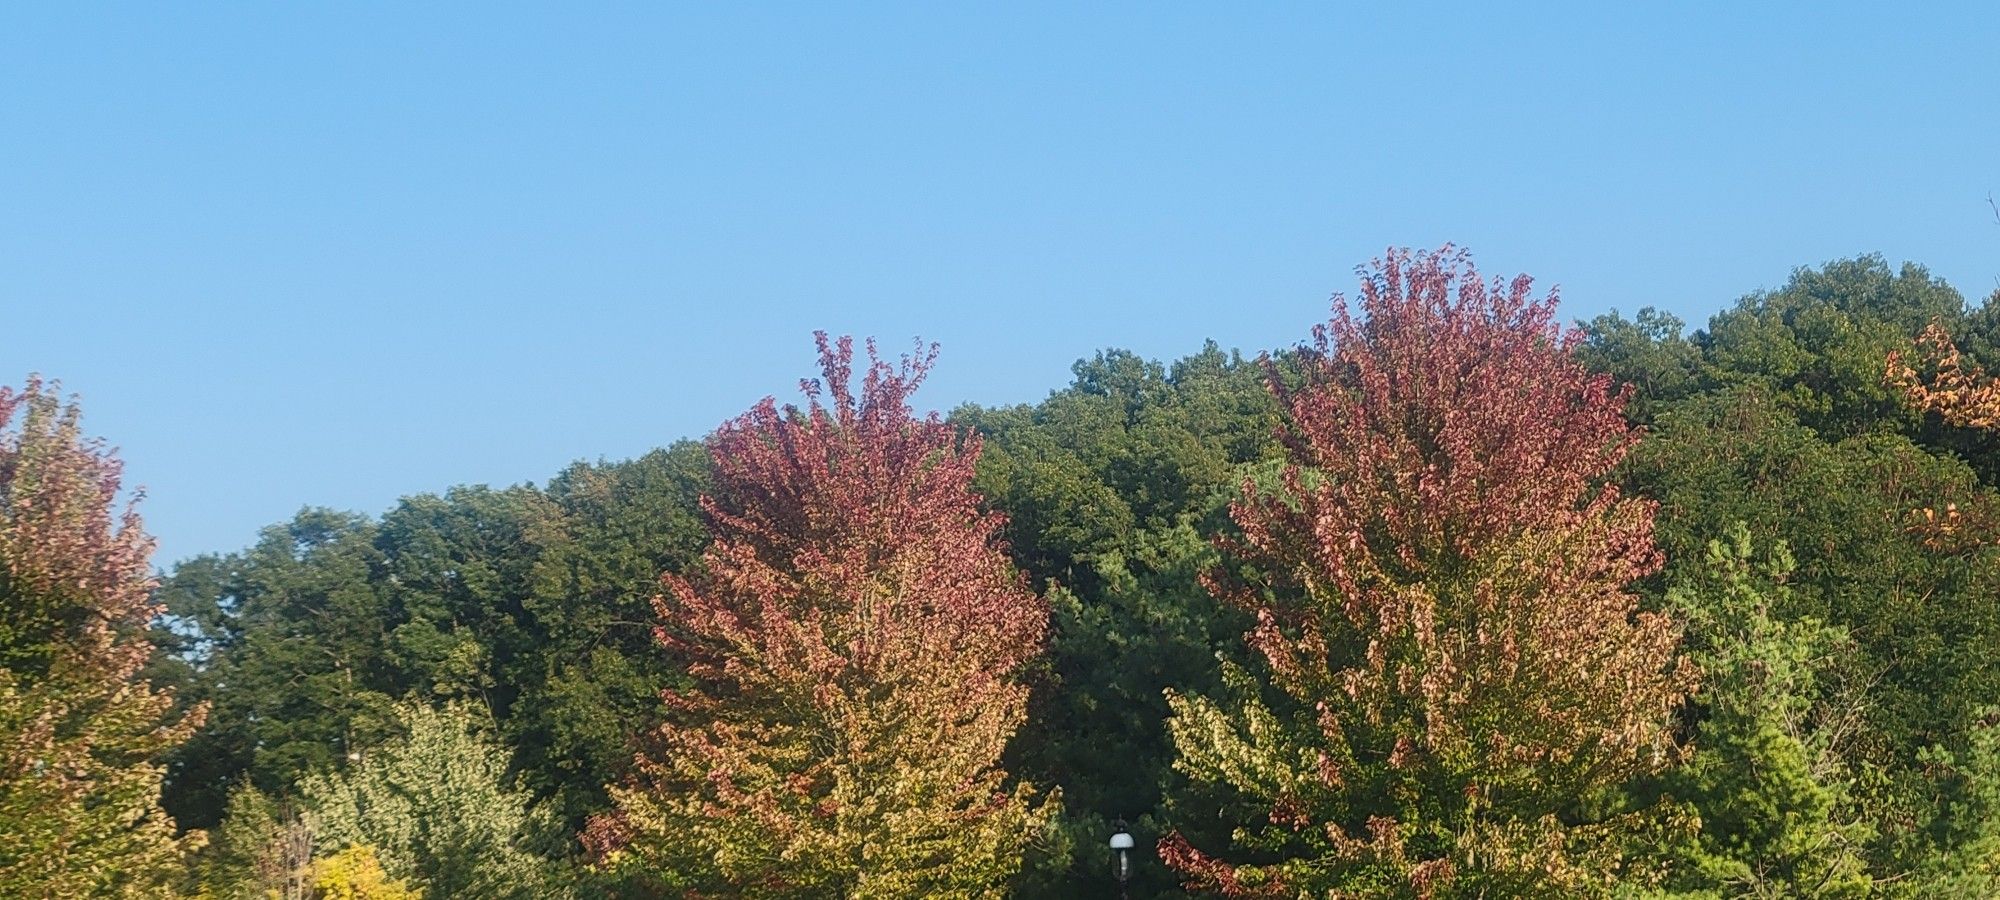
(853, 640)
(355, 874)
(80, 727)
(437, 805)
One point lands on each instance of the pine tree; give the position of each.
(1768, 778)
(80, 729)
(1453, 666)
(853, 637)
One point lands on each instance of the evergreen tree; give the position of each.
(1770, 778)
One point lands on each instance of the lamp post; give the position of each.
(1121, 844)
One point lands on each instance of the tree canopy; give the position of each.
(1447, 599)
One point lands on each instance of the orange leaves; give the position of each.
(1953, 531)
(1935, 377)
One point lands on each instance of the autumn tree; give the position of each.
(1934, 377)
(853, 636)
(80, 730)
(1453, 667)
(356, 874)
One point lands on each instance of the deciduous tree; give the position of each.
(1452, 662)
(436, 805)
(854, 637)
(80, 729)
(1933, 376)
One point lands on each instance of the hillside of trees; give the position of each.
(1451, 598)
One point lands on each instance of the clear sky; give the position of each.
(340, 253)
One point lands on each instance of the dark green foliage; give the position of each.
(1844, 743)
(1819, 344)
(1777, 416)
(1922, 618)
(596, 672)
(296, 660)
(1112, 487)
(1768, 778)
(533, 601)
(1648, 352)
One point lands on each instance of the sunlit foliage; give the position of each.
(80, 728)
(854, 636)
(1452, 664)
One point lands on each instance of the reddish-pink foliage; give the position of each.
(847, 537)
(1451, 416)
(1204, 872)
(1450, 420)
(856, 617)
(80, 730)
(1442, 568)
(78, 573)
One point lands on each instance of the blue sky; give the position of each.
(338, 255)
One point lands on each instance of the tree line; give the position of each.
(1447, 600)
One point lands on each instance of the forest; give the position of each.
(1451, 598)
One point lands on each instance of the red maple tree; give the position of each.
(80, 728)
(853, 637)
(1453, 658)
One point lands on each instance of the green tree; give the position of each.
(1921, 612)
(535, 602)
(593, 679)
(262, 849)
(1650, 352)
(1770, 778)
(1790, 426)
(1819, 344)
(1110, 487)
(1964, 848)
(291, 647)
(435, 803)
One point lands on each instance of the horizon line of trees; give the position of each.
(1449, 600)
